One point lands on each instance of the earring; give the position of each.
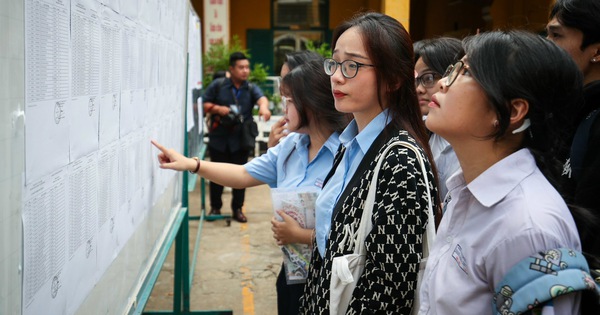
(496, 123)
(594, 59)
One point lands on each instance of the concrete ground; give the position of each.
(236, 265)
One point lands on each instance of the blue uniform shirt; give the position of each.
(287, 165)
(357, 144)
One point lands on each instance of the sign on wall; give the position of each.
(216, 22)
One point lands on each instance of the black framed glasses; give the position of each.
(428, 79)
(453, 71)
(349, 67)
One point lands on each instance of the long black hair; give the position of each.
(439, 53)
(517, 64)
(310, 89)
(297, 58)
(390, 50)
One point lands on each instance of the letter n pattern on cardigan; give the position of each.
(394, 246)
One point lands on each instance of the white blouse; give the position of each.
(507, 213)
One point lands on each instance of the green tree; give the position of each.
(322, 49)
(217, 58)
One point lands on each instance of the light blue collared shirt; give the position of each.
(287, 165)
(357, 144)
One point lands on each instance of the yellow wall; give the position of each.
(341, 10)
(398, 9)
(246, 15)
(426, 18)
(243, 15)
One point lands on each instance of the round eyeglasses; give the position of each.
(453, 71)
(428, 79)
(284, 102)
(349, 67)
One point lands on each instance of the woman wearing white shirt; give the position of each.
(301, 159)
(503, 108)
(432, 57)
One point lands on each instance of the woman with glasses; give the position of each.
(372, 77)
(504, 108)
(432, 57)
(302, 159)
(279, 130)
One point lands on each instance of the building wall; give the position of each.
(246, 15)
(340, 10)
(459, 18)
(427, 18)
(530, 15)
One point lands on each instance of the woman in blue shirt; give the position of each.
(372, 77)
(301, 159)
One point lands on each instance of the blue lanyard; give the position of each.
(236, 93)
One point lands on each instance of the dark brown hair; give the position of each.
(390, 49)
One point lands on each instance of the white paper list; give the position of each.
(110, 84)
(108, 203)
(85, 77)
(83, 227)
(129, 76)
(45, 237)
(83, 207)
(47, 86)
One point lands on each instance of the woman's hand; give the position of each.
(286, 232)
(173, 160)
(278, 131)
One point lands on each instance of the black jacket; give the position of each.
(584, 190)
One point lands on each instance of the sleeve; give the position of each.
(502, 257)
(210, 94)
(588, 186)
(256, 93)
(264, 167)
(394, 246)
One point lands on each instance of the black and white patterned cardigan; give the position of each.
(394, 245)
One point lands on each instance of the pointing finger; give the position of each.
(158, 146)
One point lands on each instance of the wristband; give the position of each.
(197, 166)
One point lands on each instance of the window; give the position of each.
(298, 14)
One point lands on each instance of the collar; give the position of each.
(230, 84)
(301, 142)
(592, 91)
(503, 176)
(366, 137)
(332, 143)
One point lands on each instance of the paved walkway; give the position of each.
(236, 266)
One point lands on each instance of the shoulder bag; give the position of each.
(347, 269)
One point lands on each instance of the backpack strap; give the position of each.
(536, 280)
(579, 146)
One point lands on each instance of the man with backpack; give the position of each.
(229, 101)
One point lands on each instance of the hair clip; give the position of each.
(525, 125)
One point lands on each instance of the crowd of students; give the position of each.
(505, 122)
